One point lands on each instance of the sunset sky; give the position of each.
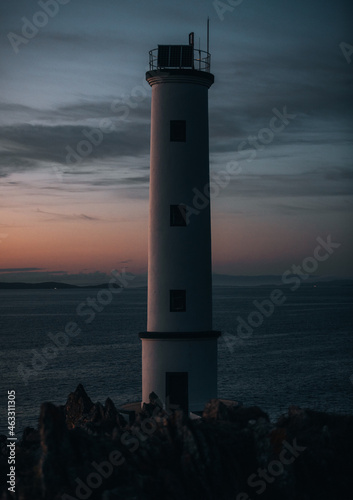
(83, 68)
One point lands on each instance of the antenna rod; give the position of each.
(208, 35)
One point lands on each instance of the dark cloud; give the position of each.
(273, 56)
(339, 174)
(27, 147)
(130, 180)
(307, 75)
(68, 217)
(118, 109)
(309, 191)
(19, 269)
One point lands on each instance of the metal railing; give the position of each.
(201, 61)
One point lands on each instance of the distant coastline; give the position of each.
(227, 281)
(48, 285)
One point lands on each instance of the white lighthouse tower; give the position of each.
(179, 348)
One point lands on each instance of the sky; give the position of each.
(74, 70)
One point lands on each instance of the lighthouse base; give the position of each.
(181, 368)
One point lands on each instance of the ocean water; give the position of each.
(301, 354)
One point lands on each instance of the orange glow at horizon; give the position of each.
(67, 239)
(87, 232)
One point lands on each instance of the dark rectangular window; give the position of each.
(177, 130)
(177, 215)
(177, 300)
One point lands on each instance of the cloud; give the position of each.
(276, 56)
(317, 183)
(26, 147)
(133, 179)
(19, 269)
(56, 216)
(339, 173)
(307, 75)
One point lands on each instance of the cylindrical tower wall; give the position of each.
(179, 256)
(179, 349)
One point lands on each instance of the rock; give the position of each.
(154, 400)
(219, 410)
(56, 447)
(83, 449)
(30, 438)
(94, 417)
(153, 408)
(324, 469)
(78, 405)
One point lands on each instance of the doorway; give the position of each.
(176, 391)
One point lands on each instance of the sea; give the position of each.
(297, 352)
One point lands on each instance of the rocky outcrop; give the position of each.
(80, 411)
(86, 450)
(153, 408)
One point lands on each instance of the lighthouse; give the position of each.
(179, 348)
